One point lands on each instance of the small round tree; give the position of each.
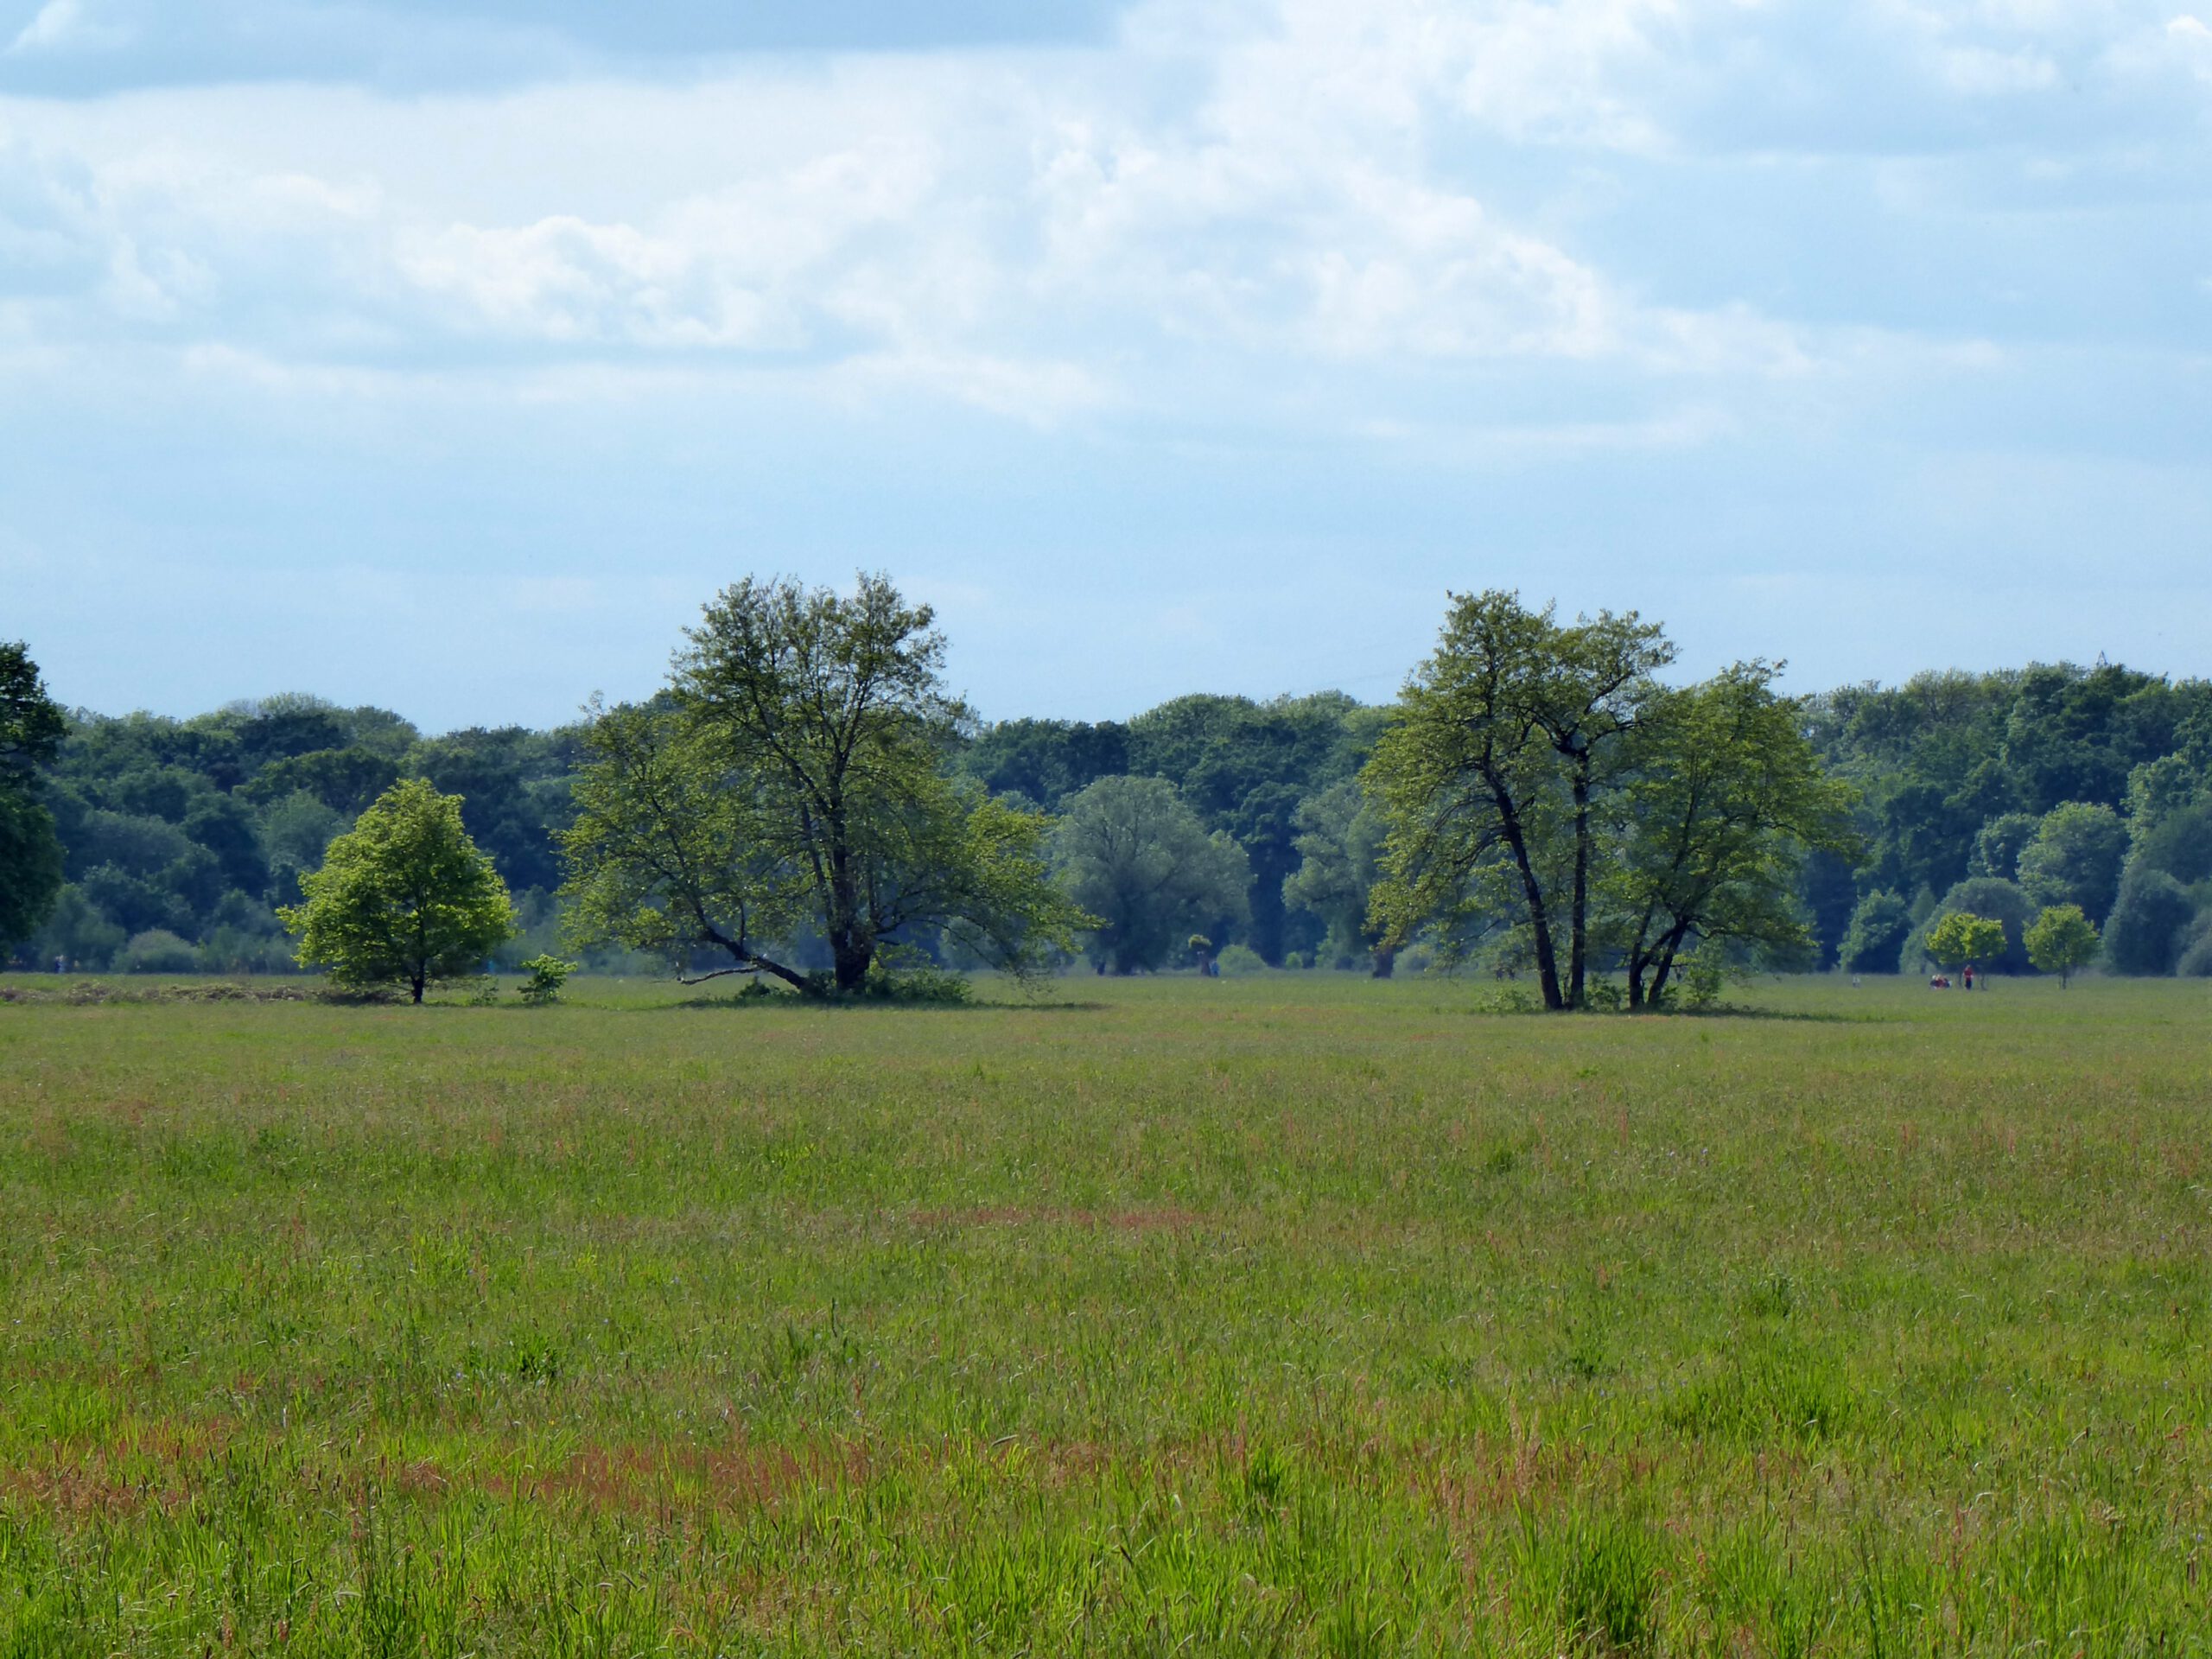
(2062, 940)
(405, 898)
(1962, 937)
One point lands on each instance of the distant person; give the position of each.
(1969, 975)
(61, 964)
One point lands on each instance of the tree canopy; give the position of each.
(1131, 853)
(402, 898)
(1490, 780)
(31, 729)
(2062, 940)
(797, 778)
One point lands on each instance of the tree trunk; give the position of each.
(852, 959)
(1578, 918)
(415, 986)
(1547, 959)
(1635, 967)
(1666, 962)
(1386, 961)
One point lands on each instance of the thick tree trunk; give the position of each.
(852, 959)
(1386, 961)
(1509, 815)
(1635, 967)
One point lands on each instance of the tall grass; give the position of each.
(1292, 1314)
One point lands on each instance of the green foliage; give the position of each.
(77, 932)
(1725, 798)
(1240, 959)
(31, 864)
(1959, 936)
(1133, 855)
(1509, 740)
(405, 898)
(2144, 936)
(1984, 896)
(1950, 763)
(31, 725)
(1701, 977)
(2195, 961)
(546, 976)
(671, 852)
(2062, 940)
(1044, 761)
(2076, 858)
(1879, 927)
(917, 985)
(1998, 846)
(1339, 846)
(345, 780)
(2158, 789)
(158, 951)
(2179, 845)
(795, 779)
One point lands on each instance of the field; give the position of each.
(1295, 1315)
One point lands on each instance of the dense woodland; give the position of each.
(1998, 794)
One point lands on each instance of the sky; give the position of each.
(449, 354)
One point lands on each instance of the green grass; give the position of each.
(1295, 1315)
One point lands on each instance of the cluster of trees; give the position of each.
(180, 840)
(806, 800)
(2007, 795)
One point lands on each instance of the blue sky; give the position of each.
(448, 356)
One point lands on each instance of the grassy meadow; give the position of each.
(1296, 1314)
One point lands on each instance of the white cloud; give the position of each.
(65, 26)
(1220, 199)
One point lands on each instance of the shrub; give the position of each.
(157, 951)
(1241, 959)
(547, 976)
(2197, 950)
(1701, 977)
(922, 984)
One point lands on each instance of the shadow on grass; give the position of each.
(788, 1000)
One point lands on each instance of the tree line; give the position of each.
(806, 802)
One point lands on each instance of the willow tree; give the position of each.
(1511, 739)
(793, 780)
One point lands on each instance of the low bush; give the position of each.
(157, 951)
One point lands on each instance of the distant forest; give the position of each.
(1997, 793)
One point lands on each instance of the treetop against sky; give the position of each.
(447, 356)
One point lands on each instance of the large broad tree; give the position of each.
(671, 852)
(1727, 798)
(31, 729)
(1131, 853)
(1511, 737)
(403, 899)
(2075, 858)
(794, 781)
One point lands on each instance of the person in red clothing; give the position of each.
(1969, 975)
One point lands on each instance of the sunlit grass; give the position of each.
(1299, 1314)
